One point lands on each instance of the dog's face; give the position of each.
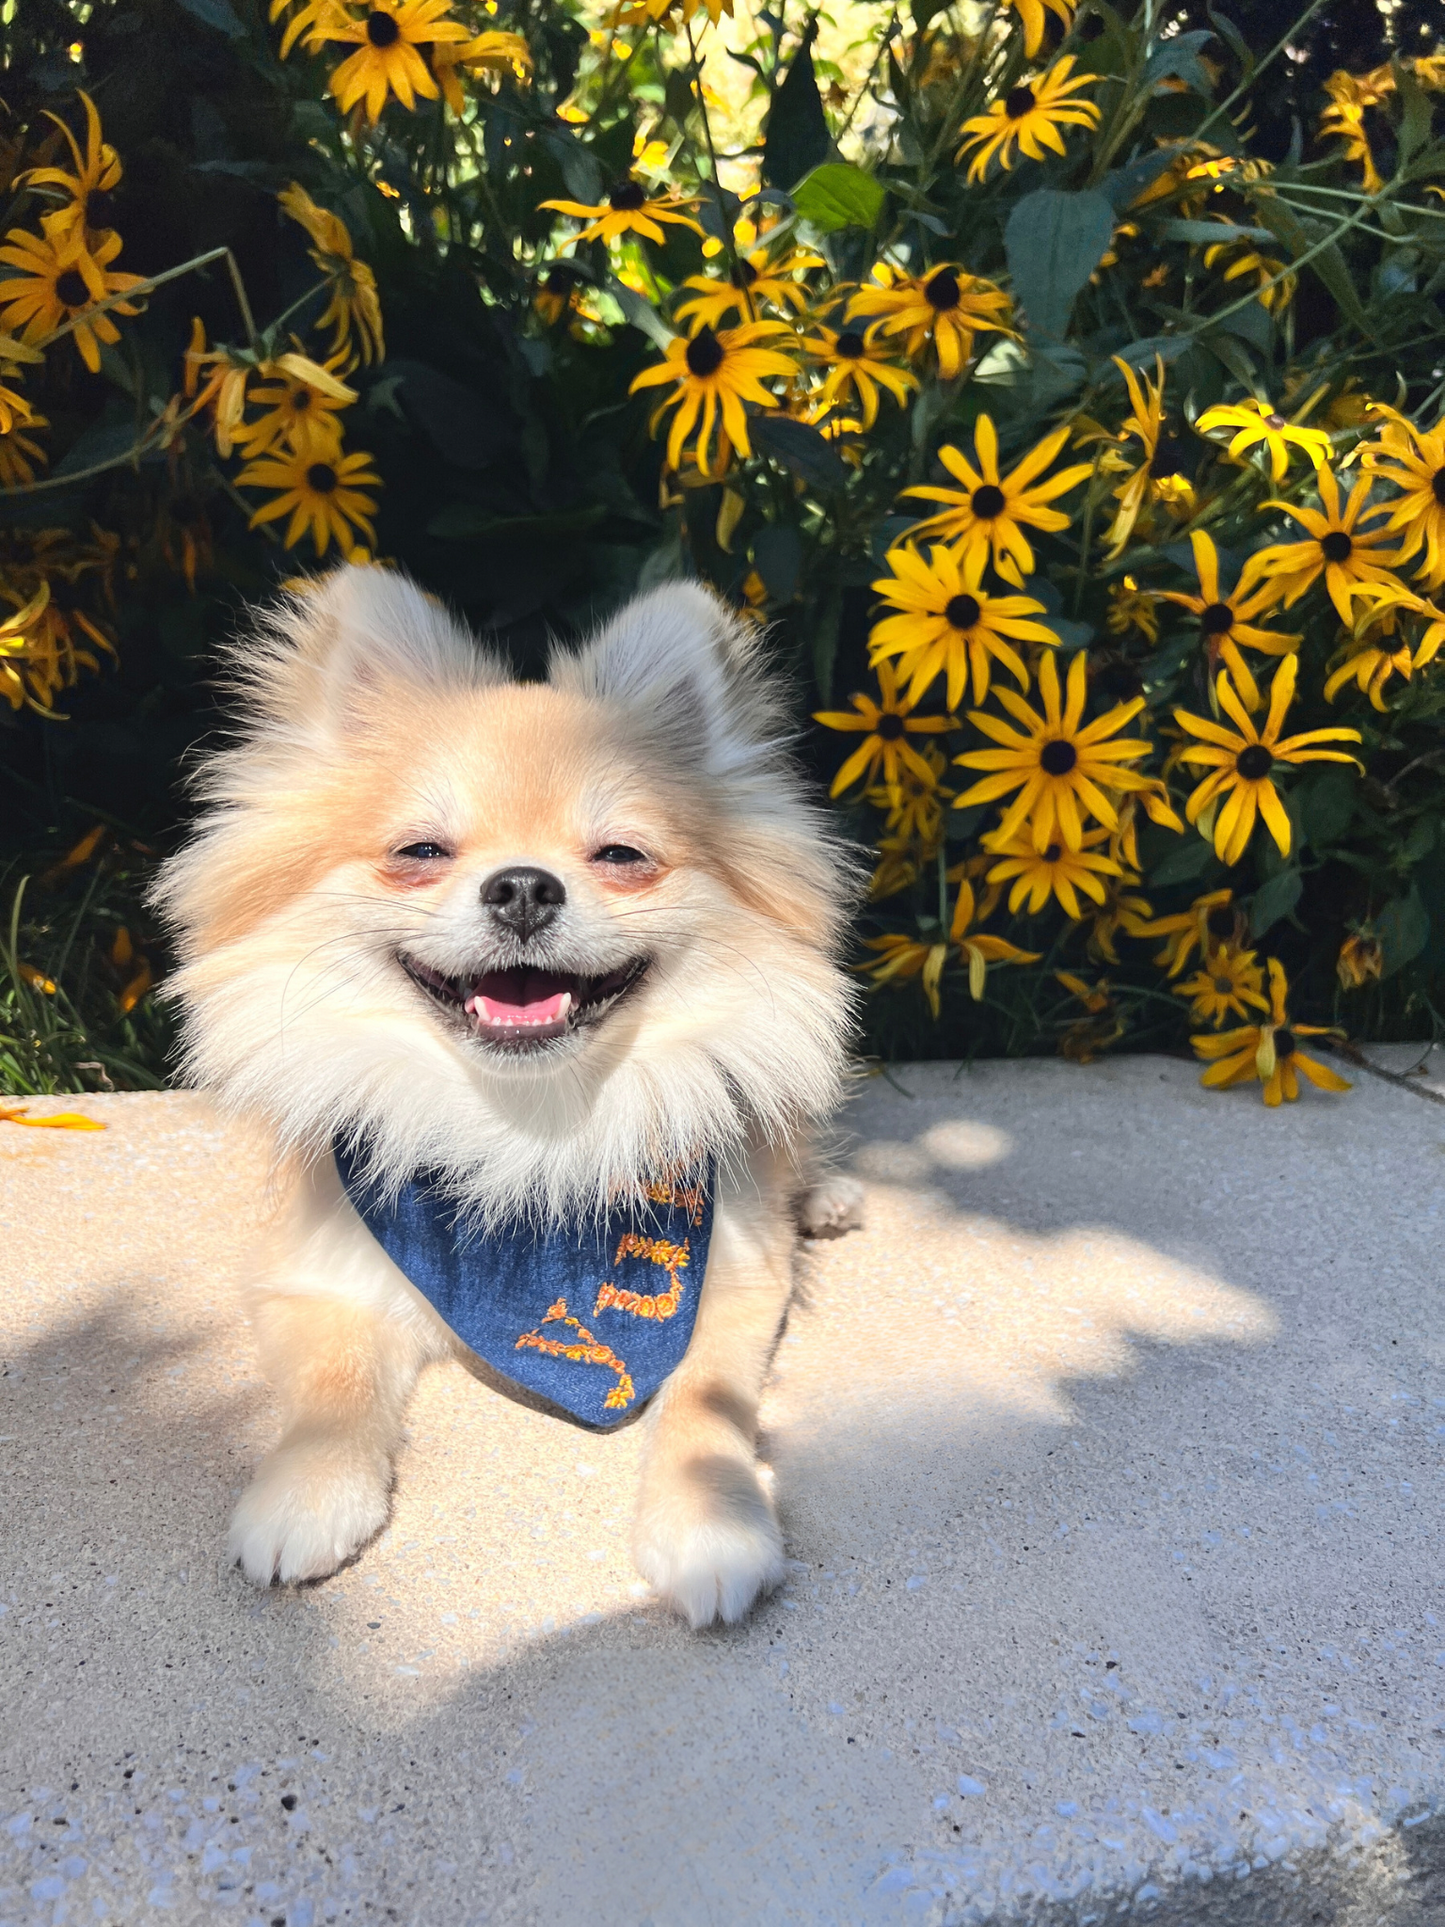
(544, 936)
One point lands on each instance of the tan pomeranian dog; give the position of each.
(537, 986)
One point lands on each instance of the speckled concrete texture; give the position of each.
(1110, 1459)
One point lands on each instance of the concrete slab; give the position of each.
(1110, 1455)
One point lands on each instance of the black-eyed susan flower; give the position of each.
(1350, 97)
(1361, 960)
(1131, 607)
(1031, 13)
(298, 406)
(353, 306)
(1268, 1053)
(1211, 919)
(1028, 118)
(1159, 476)
(487, 53)
(855, 367)
(1229, 983)
(714, 376)
(1242, 761)
(887, 724)
(1338, 549)
(913, 804)
(20, 453)
(989, 514)
(901, 957)
(946, 306)
(1258, 424)
(628, 209)
(1059, 765)
(640, 12)
(755, 280)
(1413, 459)
(22, 678)
(1123, 910)
(1055, 871)
(1274, 285)
(60, 285)
(1228, 621)
(388, 62)
(322, 495)
(90, 186)
(947, 624)
(976, 948)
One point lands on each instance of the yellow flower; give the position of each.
(901, 956)
(639, 12)
(386, 61)
(756, 279)
(714, 375)
(1344, 118)
(1242, 762)
(1414, 460)
(1028, 117)
(1256, 422)
(1336, 549)
(322, 496)
(1087, 1037)
(885, 748)
(914, 804)
(979, 950)
(1131, 607)
(496, 53)
(1226, 621)
(948, 623)
(1057, 765)
(628, 209)
(62, 282)
(1031, 13)
(1158, 476)
(1361, 959)
(351, 283)
(1276, 288)
(1225, 986)
(946, 306)
(299, 409)
(91, 186)
(1055, 871)
(989, 514)
(856, 366)
(1268, 1052)
(1210, 919)
(19, 452)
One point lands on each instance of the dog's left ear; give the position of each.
(690, 671)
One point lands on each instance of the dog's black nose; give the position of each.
(526, 900)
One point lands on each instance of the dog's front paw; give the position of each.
(707, 1540)
(309, 1508)
(830, 1207)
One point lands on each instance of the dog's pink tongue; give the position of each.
(520, 1000)
(545, 1010)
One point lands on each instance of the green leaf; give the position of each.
(1274, 900)
(1329, 265)
(640, 312)
(1189, 859)
(1054, 242)
(802, 449)
(219, 14)
(1326, 807)
(778, 559)
(837, 196)
(1404, 930)
(1232, 38)
(1178, 59)
(797, 138)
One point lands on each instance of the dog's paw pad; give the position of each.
(305, 1514)
(708, 1542)
(832, 1206)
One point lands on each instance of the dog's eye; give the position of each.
(424, 852)
(618, 853)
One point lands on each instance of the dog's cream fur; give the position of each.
(368, 722)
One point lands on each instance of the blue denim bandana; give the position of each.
(593, 1320)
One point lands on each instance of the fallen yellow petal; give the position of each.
(57, 1121)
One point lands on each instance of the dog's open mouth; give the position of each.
(520, 1008)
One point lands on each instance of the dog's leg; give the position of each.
(342, 1338)
(706, 1535)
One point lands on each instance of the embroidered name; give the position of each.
(682, 1197)
(658, 1251)
(585, 1351)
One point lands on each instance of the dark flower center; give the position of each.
(1224, 986)
(1168, 456)
(704, 353)
(1437, 486)
(321, 478)
(1220, 922)
(1284, 1043)
(890, 727)
(627, 197)
(1275, 421)
(1254, 762)
(301, 400)
(70, 289)
(1217, 619)
(962, 611)
(1336, 546)
(1053, 853)
(1057, 758)
(1019, 103)
(942, 291)
(987, 502)
(849, 345)
(742, 274)
(99, 207)
(381, 28)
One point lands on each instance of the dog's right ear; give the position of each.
(323, 651)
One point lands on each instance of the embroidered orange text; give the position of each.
(663, 1304)
(584, 1350)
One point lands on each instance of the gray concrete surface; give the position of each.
(1110, 1458)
